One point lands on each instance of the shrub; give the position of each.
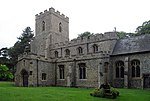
(98, 93)
(105, 91)
(113, 90)
(5, 74)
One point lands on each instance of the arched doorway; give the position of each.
(24, 74)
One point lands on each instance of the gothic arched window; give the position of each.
(135, 65)
(95, 48)
(133, 71)
(43, 26)
(120, 69)
(61, 71)
(82, 71)
(117, 72)
(60, 27)
(67, 52)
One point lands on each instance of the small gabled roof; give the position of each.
(132, 45)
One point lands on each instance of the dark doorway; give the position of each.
(146, 80)
(24, 78)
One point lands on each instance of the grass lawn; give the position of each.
(8, 92)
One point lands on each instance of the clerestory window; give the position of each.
(95, 48)
(80, 50)
(67, 51)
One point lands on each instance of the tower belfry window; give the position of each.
(56, 54)
(43, 26)
(60, 27)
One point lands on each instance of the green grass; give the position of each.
(8, 92)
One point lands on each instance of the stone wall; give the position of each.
(35, 66)
(105, 43)
(144, 68)
(91, 73)
(48, 68)
(52, 19)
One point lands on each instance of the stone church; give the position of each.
(54, 60)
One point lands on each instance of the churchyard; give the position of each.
(9, 92)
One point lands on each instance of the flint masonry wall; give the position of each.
(51, 33)
(104, 41)
(133, 82)
(92, 60)
(51, 39)
(52, 20)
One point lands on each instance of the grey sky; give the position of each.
(97, 16)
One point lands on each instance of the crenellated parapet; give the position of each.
(87, 39)
(52, 11)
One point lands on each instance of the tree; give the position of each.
(85, 34)
(26, 36)
(144, 28)
(19, 47)
(5, 74)
(4, 52)
(123, 34)
(4, 57)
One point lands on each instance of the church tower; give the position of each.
(50, 27)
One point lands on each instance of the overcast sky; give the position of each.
(96, 16)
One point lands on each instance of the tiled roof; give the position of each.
(132, 45)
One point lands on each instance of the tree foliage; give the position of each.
(23, 42)
(9, 56)
(123, 34)
(5, 74)
(26, 36)
(85, 34)
(4, 56)
(4, 52)
(144, 28)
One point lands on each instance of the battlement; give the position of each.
(87, 39)
(52, 11)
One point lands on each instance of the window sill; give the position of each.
(80, 54)
(44, 80)
(119, 78)
(83, 79)
(61, 79)
(95, 52)
(136, 78)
